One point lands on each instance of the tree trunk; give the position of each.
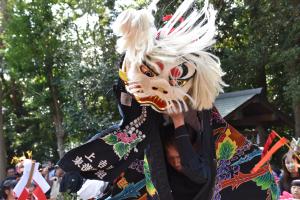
(297, 119)
(3, 155)
(55, 109)
(16, 97)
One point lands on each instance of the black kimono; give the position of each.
(131, 156)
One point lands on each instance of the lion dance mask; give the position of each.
(170, 69)
(170, 65)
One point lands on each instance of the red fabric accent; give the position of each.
(24, 194)
(167, 18)
(39, 194)
(268, 155)
(268, 143)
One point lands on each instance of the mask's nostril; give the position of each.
(165, 92)
(154, 88)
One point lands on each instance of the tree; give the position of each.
(3, 155)
(258, 45)
(61, 73)
(34, 56)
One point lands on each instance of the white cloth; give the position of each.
(92, 189)
(37, 177)
(55, 187)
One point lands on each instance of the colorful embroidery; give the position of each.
(217, 117)
(122, 183)
(248, 157)
(149, 185)
(137, 165)
(233, 153)
(125, 140)
(266, 182)
(227, 148)
(131, 191)
(241, 178)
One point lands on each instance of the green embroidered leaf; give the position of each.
(134, 143)
(226, 149)
(110, 139)
(121, 149)
(263, 181)
(267, 182)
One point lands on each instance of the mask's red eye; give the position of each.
(145, 70)
(175, 72)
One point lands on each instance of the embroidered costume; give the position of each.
(169, 70)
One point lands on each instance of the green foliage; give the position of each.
(257, 42)
(73, 41)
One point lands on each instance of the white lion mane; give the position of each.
(189, 40)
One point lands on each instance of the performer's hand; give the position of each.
(178, 119)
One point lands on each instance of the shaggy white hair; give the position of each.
(186, 40)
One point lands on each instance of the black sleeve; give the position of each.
(103, 158)
(192, 163)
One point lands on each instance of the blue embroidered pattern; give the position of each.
(248, 157)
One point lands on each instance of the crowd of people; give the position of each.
(61, 183)
(71, 183)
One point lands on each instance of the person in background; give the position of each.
(19, 169)
(295, 189)
(290, 172)
(55, 182)
(51, 169)
(10, 172)
(10, 175)
(71, 182)
(7, 189)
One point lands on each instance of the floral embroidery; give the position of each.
(125, 140)
(267, 182)
(231, 157)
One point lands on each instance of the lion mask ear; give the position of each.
(207, 82)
